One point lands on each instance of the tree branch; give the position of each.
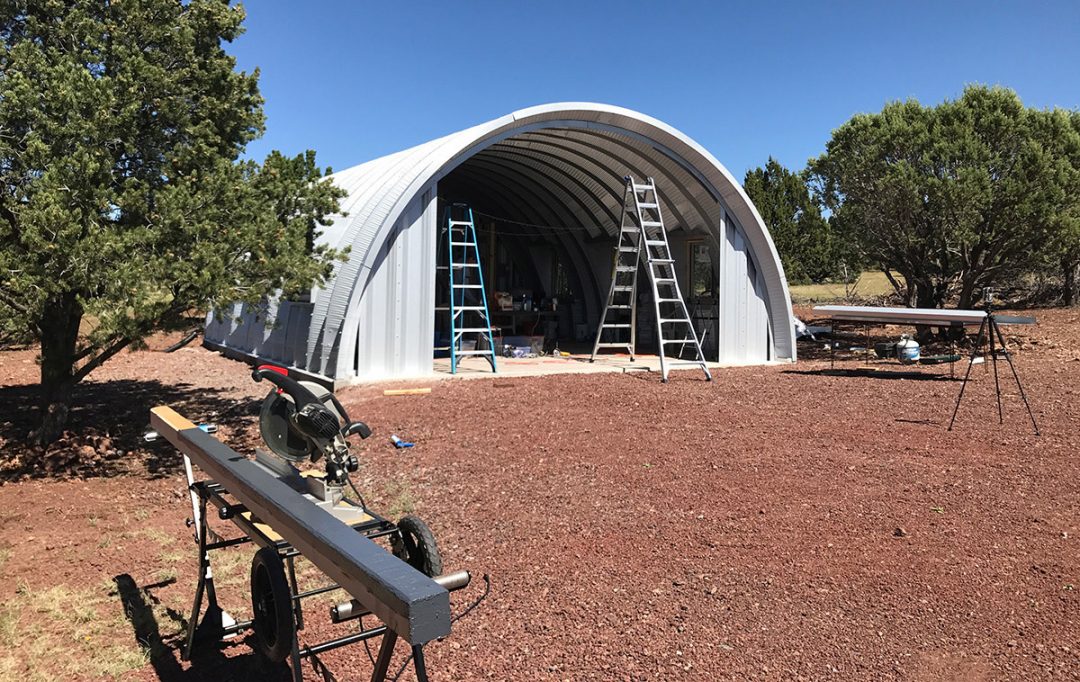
(109, 351)
(8, 300)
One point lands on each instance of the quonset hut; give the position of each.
(546, 186)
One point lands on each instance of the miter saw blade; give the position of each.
(278, 430)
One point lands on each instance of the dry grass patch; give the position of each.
(60, 631)
(871, 284)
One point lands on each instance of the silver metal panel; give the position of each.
(882, 315)
(585, 149)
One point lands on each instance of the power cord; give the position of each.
(453, 619)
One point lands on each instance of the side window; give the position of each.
(702, 273)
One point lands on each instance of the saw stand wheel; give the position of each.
(271, 602)
(414, 543)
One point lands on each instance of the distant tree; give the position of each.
(124, 205)
(956, 197)
(1061, 132)
(804, 239)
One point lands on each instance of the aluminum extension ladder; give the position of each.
(468, 306)
(641, 231)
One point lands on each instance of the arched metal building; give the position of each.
(547, 183)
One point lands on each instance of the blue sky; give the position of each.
(355, 80)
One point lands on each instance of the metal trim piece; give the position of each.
(882, 315)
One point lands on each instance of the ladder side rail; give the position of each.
(617, 259)
(652, 276)
(485, 313)
(673, 283)
(453, 315)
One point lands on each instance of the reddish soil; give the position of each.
(778, 523)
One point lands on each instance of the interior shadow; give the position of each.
(208, 661)
(105, 430)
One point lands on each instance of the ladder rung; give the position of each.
(655, 242)
(624, 288)
(662, 261)
(641, 188)
(625, 268)
(645, 204)
(460, 222)
(669, 300)
(651, 223)
(469, 330)
(461, 243)
(472, 352)
(458, 266)
(630, 249)
(671, 319)
(690, 341)
(664, 280)
(620, 307)
(613, 345)
(462, 307)
(468, 286)
(615, 326)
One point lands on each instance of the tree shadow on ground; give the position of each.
(208, 661)
(105, 431)
(874, 373)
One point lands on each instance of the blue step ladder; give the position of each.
(468, 307)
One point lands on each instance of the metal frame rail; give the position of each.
(409, 604)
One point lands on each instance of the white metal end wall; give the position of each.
(395, 333)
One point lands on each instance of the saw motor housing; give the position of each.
(301, 421)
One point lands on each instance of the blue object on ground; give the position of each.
(398, 443)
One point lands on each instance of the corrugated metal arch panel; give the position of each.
(568, 177)
(388, 185)
(606, 154)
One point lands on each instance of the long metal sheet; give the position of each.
(407, 601)
(882, 315)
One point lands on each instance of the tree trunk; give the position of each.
(1068, 270)
(927, 295)
(967, 293)
(59, 337)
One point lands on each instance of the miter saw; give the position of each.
(300, 422)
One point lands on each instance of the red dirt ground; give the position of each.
(780, 522)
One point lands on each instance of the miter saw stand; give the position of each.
(294, 436)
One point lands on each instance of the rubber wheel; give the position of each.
(271, 601)
(414, 544)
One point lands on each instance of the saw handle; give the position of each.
(353, 428)
(275, 375)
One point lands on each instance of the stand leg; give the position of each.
(867, 350)
(418, 663)
(294, 657)
(204, 577)
(1008, 357)
(997, 384)
(298, 611)
(832, 346)
(386, 652)
(967, 374)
